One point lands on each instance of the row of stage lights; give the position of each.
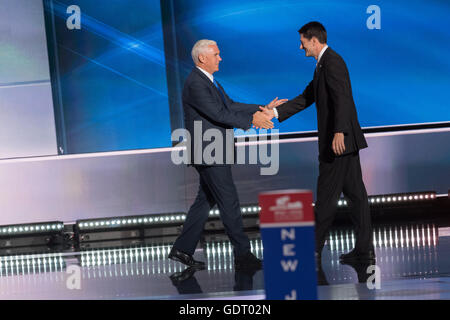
(179, 218)
(128, 255)
(396, 198)
(214, 250)
(149, 220)
(131, 221)
(25, 262)
(246, 210)
(374, 200)
(388, 237)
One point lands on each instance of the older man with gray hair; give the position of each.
(206, 106)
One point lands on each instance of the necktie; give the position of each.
(316, 70)
(221, 92)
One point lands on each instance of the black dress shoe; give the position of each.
(186, 274)
(360, 268)
(243, 279)
(247, 261)
(185, 258)
(185, 281)
(359, 256)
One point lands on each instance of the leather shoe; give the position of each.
(186, 274)
(185, 258)
(247, 261)
(360, 268)
(359, 256)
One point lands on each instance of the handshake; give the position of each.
(262, 119)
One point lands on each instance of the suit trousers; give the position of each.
(216, 187)
(343, 175)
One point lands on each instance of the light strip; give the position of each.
(151, 220)
(395, 198)
(24, 229)
(402, 198)
(31, 263)
(406, 236)
(25, 261)
(103, 257)
(247, 210)
(134, 221)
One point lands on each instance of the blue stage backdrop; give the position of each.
(399, 73)
(110, 75)
(110, 78)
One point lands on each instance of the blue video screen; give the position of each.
(399, 71)
(113, 79)
(111, 74)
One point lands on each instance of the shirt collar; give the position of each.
(321, 53)
(209, 75)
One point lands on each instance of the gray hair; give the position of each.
(200, 47)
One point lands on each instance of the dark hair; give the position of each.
(314, 29)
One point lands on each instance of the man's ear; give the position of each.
(201, 58)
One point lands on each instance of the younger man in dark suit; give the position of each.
(340, 139)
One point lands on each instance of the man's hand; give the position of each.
(268, 112)
(261, 120)
(275, 103)
(338, 144)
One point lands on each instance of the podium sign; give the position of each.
(287, 231)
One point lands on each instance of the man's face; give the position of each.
(308, 46)
(211, 59)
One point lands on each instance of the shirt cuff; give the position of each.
(275, 112)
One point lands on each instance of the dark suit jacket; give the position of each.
(202, 102)
(331, 90)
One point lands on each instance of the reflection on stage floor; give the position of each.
(414, 262)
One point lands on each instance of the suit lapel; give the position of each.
(318, 71)
(212, 85)
(203, 76)
(316, 80)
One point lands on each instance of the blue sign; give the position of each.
(287, 231)
(289, 264)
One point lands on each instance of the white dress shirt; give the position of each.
(318, 60)
(209, 75)
(321, 54)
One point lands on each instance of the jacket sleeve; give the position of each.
(245, 107)
(202, 99)
(338, 83)
(241, 107)
(299, 103)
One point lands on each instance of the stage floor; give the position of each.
(414, 261)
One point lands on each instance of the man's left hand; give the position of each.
(338, 144)
(275, 103)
